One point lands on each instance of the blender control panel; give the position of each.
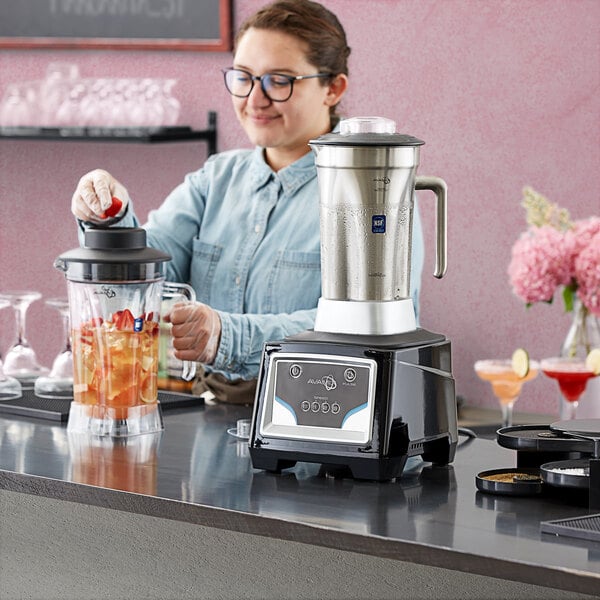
(319, 397)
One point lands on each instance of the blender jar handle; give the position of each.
(439, 188)
(171, 291)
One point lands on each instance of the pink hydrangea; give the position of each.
(580, 236)
(587, 274)
(540, 263)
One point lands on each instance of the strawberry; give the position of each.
(113, 209)
(123, 320)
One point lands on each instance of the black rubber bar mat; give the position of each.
(586, 527)
(57, 409)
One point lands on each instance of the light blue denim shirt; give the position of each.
(247, 240)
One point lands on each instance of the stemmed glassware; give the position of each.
(21, 361)
(572, 376)
(10, 388)
(506, 383)
(59, 382)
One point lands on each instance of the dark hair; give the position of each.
(312, 23)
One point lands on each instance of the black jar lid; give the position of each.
(113, 254)
(367, 139)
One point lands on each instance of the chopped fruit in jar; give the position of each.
(113, 362)
(124, 320)
(147, 362)
(149, 389)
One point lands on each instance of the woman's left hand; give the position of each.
(196, 331)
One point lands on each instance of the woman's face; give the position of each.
(283, 128)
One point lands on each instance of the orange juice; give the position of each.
(116, 364)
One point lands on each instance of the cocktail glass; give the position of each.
(506, 384)
(572, 376)
(59, 382)
(10, 388)
(21, 361)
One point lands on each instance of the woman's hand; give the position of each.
(97, 197)
(196, 331)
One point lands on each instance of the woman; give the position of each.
(244, 229)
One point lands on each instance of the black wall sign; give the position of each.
(116, 24)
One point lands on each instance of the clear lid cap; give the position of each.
(356, 125)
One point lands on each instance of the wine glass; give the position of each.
(10, 388)
(21, 361)
(59, 382)
(506, 383)
(572, 376)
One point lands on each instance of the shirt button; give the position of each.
(238, 280)
(256, 228)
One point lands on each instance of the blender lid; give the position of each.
(367, 131)
(118, 253)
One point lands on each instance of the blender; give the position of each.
(115, 285)
(367, 388)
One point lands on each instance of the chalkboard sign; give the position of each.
(116, 24)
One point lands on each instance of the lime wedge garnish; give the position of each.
(592, 362)
(520, 362)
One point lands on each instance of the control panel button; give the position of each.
(295, 371)
(350, 375)
(305, 406)
(335, 408)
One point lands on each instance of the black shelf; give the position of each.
(150, 135)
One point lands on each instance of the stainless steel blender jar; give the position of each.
(366, 388)
(367, 177)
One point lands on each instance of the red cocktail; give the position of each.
(572, 376)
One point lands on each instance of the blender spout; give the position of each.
(439, 188)
(61, 265)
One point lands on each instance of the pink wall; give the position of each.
(504, 93)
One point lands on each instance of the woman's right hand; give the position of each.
(94, 195)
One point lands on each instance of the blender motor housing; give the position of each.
(362, 402)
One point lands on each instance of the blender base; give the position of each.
(363, 403)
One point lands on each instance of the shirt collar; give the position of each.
(291, 177)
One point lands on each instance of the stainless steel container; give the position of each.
(367, 177)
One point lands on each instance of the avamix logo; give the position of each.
(328, 382)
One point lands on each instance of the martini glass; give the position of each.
(59, 382)
(10, 388)
(572, 376)
(506, 384)
(21, 361)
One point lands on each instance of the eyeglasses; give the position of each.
(275, 86)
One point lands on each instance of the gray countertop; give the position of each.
(194, 471)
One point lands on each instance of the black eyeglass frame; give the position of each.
(261, 78)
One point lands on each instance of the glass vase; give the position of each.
(583, 335)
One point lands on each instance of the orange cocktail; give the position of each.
(116, 364)
(506, 383)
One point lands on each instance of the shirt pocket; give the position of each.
(204, 265)
(294, 282)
